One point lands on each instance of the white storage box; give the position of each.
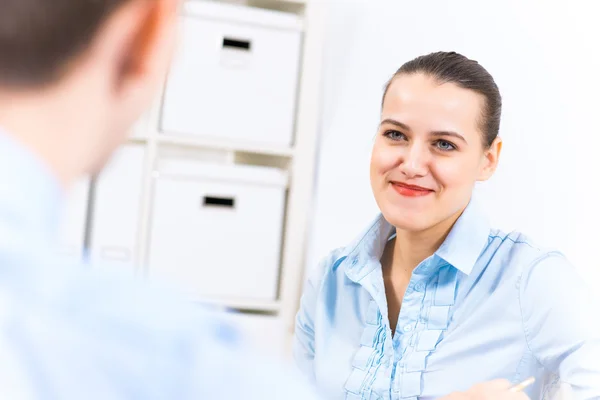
(74, 218)
(235, 74)
(216, 230)
(115, 222)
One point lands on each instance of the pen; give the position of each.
(521, 386)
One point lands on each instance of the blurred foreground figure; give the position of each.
(74, 76)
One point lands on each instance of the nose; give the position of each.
(415, 163)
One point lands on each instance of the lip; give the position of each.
(407, 190)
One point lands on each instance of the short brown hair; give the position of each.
(38, 38)
(452, 67)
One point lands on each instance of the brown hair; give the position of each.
(451, 67)
(38, 38)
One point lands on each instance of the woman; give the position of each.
(430, 300)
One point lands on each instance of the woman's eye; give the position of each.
(394, 135)
(445, 145)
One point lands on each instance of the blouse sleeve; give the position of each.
(561, 319)
(304, 335)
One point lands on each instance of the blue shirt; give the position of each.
(486, 305)
(68, 332)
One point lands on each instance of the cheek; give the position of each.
(383, 159)
(455, 173)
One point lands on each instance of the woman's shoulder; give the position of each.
(521, 245)
(355, 256)
(328, 265)
(552, 290)
(526, 256)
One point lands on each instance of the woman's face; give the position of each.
(429, 152)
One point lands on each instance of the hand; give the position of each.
(493, 390)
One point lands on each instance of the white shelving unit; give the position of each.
(297, 161)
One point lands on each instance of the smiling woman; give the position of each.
(430, 286)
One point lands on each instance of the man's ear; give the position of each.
(143, 25)
(491, 157)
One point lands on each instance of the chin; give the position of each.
(409, 221)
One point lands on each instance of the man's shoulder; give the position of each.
(83, 325)
(77, 327)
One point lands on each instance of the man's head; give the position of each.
(76, 74)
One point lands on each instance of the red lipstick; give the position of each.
(410, 190)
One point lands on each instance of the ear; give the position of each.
(490, 159)
(144, 33)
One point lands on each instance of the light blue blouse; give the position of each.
(486, 305)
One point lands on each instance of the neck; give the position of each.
(411, 248)
(44, 121)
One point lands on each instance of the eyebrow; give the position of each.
(434, 133)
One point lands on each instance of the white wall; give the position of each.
(545, 57)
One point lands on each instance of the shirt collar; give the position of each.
(30, 195)
(467, 239)
(461, 248)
